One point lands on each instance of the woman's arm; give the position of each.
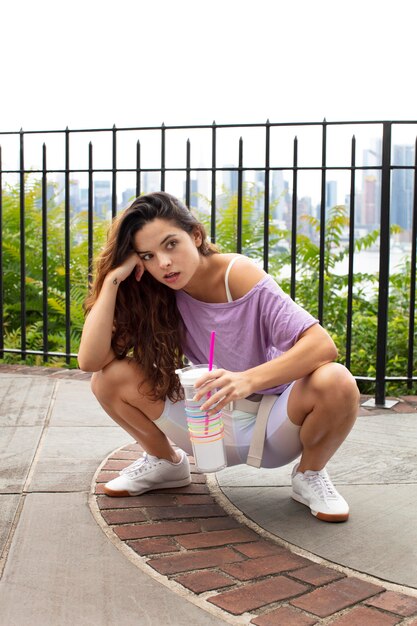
(314, 348)
(95, 349)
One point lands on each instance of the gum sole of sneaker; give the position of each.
(125, 494)
(324, 517)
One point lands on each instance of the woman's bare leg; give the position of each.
(116, 387)
(325, 405)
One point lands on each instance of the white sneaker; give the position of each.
(147, 473)
(316, 490)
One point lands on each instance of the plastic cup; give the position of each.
(206, 432)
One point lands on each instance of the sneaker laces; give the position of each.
(140, 466)
(321, 484)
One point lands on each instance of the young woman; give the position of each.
(161, 287)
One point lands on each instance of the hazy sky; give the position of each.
(93, 63)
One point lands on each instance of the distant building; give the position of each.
(83, 199)
(368, 210)
(278, 195)
(371, 199)
(402, 187)
(55, 193)
(75, 197)
(193, 192)
(230, 179)
(201, 200)
(151, 182)
(102, 198)
(305, 207)
(127, 196)
(331, 194)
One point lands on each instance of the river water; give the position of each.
(368, 261)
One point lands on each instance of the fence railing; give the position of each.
(95, 171)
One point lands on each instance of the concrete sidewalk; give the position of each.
(58, 567)
(235, 549)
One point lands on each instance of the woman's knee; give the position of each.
(335, 382)
(108, 382)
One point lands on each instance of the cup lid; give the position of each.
(190, 376)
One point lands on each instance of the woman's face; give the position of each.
(168, 252)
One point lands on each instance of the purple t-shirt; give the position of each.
(254, 329)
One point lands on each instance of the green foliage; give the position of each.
(56, 283)
(364, 305)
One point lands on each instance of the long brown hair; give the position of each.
(147, 323)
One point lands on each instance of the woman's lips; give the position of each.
(172, 277)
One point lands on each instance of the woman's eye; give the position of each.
(146, 257)
(172, 244)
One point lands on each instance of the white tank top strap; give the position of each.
(226, 278)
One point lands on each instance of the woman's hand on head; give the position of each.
(132, 263)
(224, 387)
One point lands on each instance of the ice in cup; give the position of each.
(206, 432)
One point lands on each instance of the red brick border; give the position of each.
(185, 535)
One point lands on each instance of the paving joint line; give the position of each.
(25, 489)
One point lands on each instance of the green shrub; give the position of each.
(365, 298)
(56, 285)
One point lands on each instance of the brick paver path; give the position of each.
(186, 536)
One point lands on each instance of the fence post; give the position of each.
(1, 262)
(44, 205)
(239, 199)
(213, 228)
(188, 174)
(90, 215)
(384, 250)
(266, 194)
(294, 221)
(322, 242)
(411, 316)
(67, 244)
(22, 245)
(114, 173)
(163, 157)
(349, 311)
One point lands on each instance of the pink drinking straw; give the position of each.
(210, 364)
(211, 355)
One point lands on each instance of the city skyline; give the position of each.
(149, 159)
(367, 193)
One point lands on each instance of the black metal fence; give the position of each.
(372, 162)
